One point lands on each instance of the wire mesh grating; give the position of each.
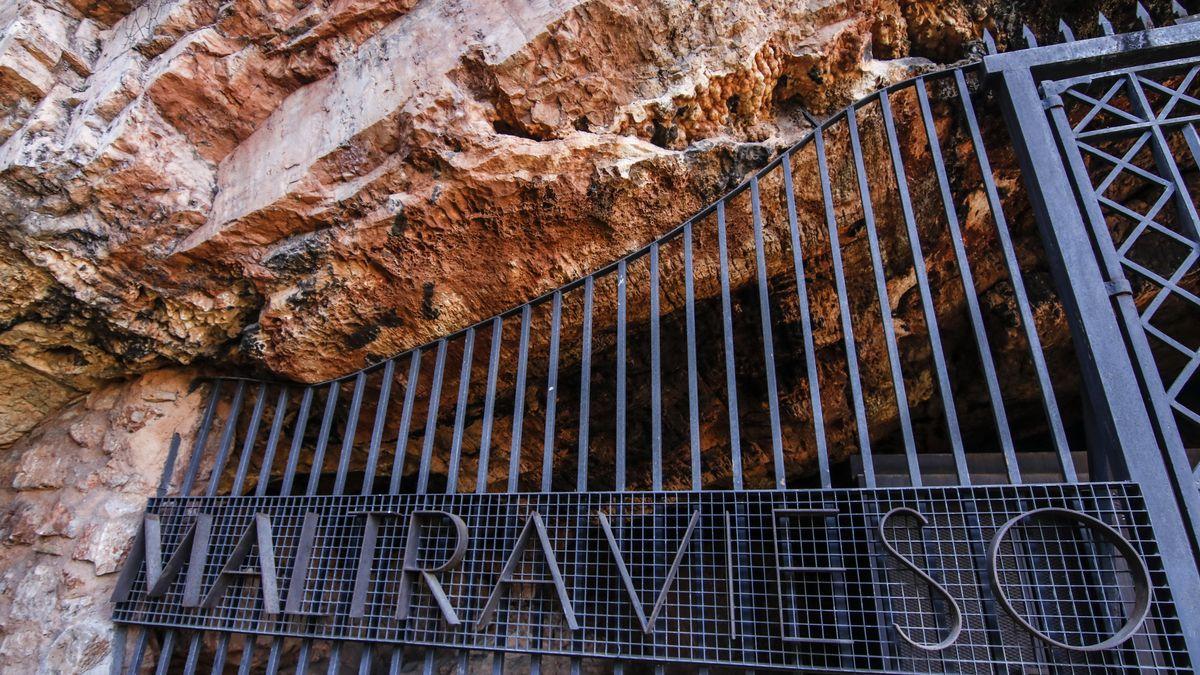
(754, 558)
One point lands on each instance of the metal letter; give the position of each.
(411, 567)
(648, 624)
(258, 530)
(1137, 568)
(783, 567)
(956, 622)
(533, 525)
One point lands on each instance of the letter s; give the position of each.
(956, 622)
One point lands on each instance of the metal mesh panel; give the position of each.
(783, 578)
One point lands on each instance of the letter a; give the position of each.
(259, 530)
(648, 624)
(533, 526)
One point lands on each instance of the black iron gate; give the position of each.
(839, 420)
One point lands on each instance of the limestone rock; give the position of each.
(72, 493)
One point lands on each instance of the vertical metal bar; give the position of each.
(165, 653)
(514, 457)
(273, 656)
(164, 481)
(885, 306)
(289, 472)
(693, 399)
(239, 482)
(435, 395)
(856, 393)
(585, 384)
(318, 463)
(260, 402)
(193, 468)
(551, 393)
(548, 440)
(235, 408)
(806, 328)
(764, 311)
(620, 431)
(435, 401)
(116, 665)
(139, 652)
(264, 470)
(923, 287)
(735, 441)
(247, 660)
(343, 468)
(368, 485)
(460, 410)
(364, 660)
(839, 278)
(193, 652)
(302, 657)
(690, 319)
(968, 283)
(410, 394)
(334, 665)
(481, 482)
(731, 397)
(489, 404)
(1049, 400)
(656, 460)
(218, 663)
(381, 410)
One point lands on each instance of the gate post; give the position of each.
(1111, 385)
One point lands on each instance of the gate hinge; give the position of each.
(1053, 100)
(1118, 287)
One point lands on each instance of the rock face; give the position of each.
(72, 493)
(269, 182)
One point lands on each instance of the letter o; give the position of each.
(1141, 602)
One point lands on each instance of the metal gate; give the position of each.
(840, 420)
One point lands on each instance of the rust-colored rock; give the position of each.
(189, 179)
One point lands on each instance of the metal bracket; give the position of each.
(1118, 287)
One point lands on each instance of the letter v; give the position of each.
(648, 624)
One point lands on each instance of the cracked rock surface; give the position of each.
(302, 187)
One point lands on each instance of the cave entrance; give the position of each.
(918, 396)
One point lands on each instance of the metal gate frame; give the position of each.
(1132, 419)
